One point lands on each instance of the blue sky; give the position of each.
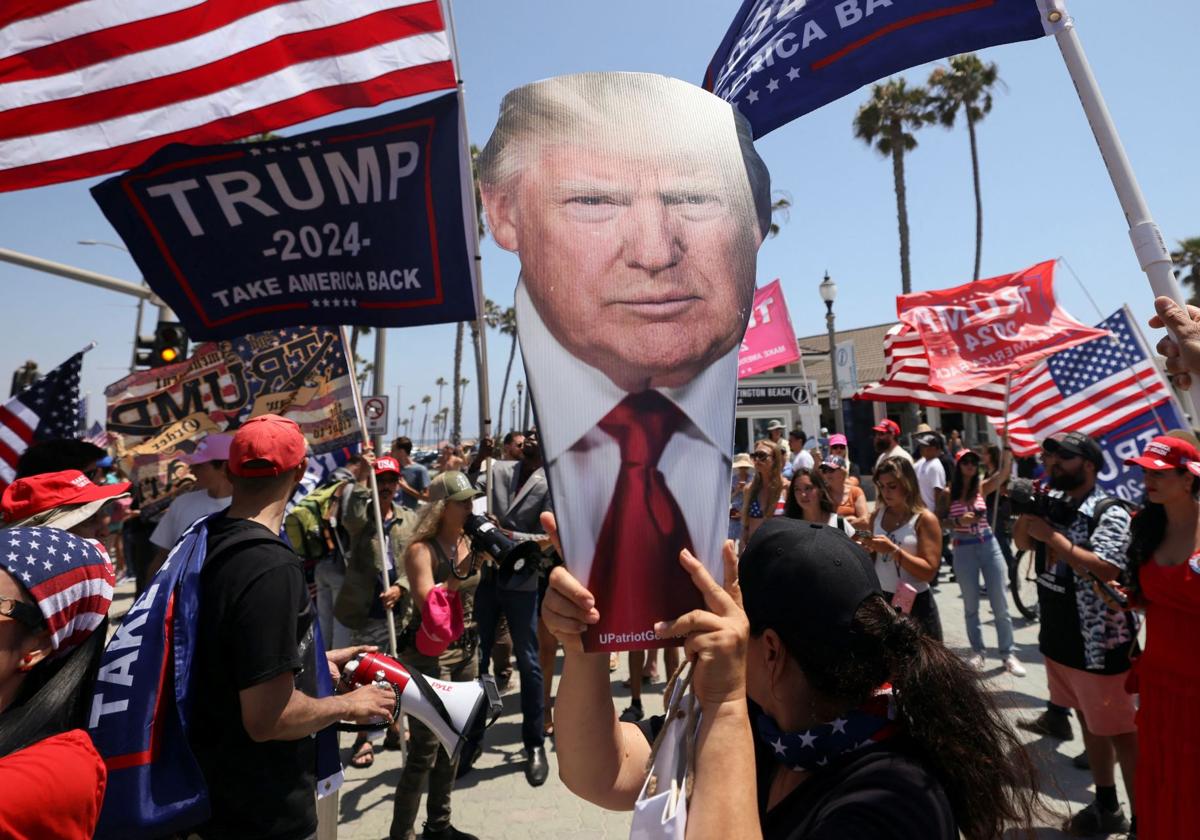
(1045, 190)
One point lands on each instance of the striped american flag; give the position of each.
(93, 86)
(906, 379)
(43, 411)
(1090, 388)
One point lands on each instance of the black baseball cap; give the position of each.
(805, 580)
(1075, 443)
(928, 439)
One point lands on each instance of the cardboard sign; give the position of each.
(356, 224)
(636, 204)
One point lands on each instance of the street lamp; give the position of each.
(828, 290)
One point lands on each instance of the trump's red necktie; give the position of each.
(636, 577)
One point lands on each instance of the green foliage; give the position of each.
(1187, 267)
(894, 109)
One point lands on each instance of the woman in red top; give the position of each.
(55, 591)
(1164, 576)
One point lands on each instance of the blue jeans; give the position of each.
(969, 560)
(521, 610)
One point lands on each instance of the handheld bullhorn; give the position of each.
(453, 711)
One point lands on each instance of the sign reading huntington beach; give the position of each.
(636, 204)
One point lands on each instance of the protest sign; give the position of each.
(979, 332)
(161, 414)
(360, 223)
(770, 340)
(781, 59)
(636, 204)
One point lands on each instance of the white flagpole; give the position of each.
(362, 427)
(1003, 445)
(1152, 253)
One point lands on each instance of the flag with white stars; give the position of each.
(1091, 388)
(45, 410)
(70, 579)
(781, 59)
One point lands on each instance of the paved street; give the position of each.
(495, 802)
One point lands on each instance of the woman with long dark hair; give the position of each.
(809, 499)
(824, 712)
(1164, 580)
(51, 638)
(976, 551)
(765, 490)
(439, 555)
(906, 541)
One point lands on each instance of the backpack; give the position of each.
(312, 526)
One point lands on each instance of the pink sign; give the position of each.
(770, 340)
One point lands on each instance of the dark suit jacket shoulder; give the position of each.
(519, 510)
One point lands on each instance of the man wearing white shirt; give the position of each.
(636, 204)
(931, 475)
(213, 493)
(799, 458)
(887, 442)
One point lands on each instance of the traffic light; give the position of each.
(168, 346)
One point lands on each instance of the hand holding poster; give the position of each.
(979, 332)
(636, 204)
(355, 224)
(770, 340)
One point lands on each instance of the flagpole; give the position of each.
(471, 216)
(1003, 446)
(1152, 253)
(362, 428)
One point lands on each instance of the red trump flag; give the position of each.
(979, 332)
(770, 340)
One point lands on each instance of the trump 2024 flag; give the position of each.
(781, 59)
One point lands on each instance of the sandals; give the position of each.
(364, 755)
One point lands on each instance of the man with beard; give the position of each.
(887, 442)
(1085, 643)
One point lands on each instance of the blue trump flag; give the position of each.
(1127, 441)
(362, 223)
(141, 712)
(781, 59)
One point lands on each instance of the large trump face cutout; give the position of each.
(636, 204)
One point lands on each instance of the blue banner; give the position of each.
(781, 59)
(1127, 441)
(361, 223)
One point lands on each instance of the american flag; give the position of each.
(906, 379)
(70, 578)
(97, 435)
(91, 86)
(45, 410)
(1090, 388)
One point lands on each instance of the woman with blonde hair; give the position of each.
(765, 489)
(439, 557)
(906, 542)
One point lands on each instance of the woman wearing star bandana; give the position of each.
(824, 712)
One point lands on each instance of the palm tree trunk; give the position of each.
(978, 196)
(483, 409)
(456, 433)
(512, 354)
(901, 205)
(424, 421)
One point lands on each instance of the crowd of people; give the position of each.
(830, 706)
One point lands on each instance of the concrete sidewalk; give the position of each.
(494, 800)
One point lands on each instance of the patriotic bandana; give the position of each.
(70, 578)
(813, 749)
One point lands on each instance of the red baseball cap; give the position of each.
(964, 452)
(1168, 453)
(387, 465)
(28, 496)
(886, 425)
(270, 438)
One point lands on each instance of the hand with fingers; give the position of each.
(568, 607)
(1181, 346)
(714, 638)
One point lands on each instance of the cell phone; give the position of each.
(1120, 599)
(906, 593)
(860, 534)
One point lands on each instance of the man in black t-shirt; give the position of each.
(1086, 644)
(254, 683)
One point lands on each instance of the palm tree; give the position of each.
(508, 326)
(457, 398)
(440, 383)
(425, 401)
(461, 395)
(412, 415)
(886, 122)
(781, 205)
(966, 86)
(1187, 266)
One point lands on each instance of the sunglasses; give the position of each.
(761, 456)
(26, 614)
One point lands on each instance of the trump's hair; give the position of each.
(633, 110)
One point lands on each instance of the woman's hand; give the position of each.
(715, 639)
(391, 595)
(966, 519)
(568, 607)
(880, 545)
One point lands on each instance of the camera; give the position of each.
(1036, 499)
(515, 561)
